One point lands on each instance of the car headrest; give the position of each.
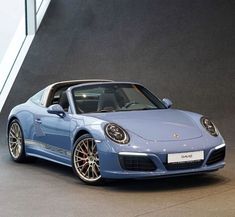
(63, 101)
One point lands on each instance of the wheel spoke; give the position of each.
(13, 144)
(79, 158)
(87, 172)
(17, 150)
(12, 134)
(85, 151)
(93, 146)
(83, 166)
(82, 152)
(94, 170)
(14, 150)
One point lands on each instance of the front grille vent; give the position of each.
(216, 156)
(136, 163)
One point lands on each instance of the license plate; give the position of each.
(185, 157)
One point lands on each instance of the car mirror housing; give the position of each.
(57, 110)
(167, 102)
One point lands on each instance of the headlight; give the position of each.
(116, 133)
(210, 127)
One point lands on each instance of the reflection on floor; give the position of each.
(53, 190)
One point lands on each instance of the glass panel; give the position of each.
(38, 4)
(114, 97)
(37, 98)
(12, 17)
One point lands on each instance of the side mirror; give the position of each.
(167, 102)
(57, 110)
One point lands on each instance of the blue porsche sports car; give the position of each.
(113, 130)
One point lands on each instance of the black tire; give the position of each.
(16, 143)
(85, 160)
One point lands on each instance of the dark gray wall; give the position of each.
(181, 49)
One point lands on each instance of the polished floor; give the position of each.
(47, 189)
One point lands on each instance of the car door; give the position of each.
(52, 133)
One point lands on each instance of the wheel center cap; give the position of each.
(91, 159)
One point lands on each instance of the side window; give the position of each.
(37, 98)
(57, 95)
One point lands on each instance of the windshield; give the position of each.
(114, 97)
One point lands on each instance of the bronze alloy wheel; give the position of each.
(16, 142)
(86, 160)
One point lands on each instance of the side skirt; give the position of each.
(48, 152)
(48, 159)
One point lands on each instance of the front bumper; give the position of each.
(111, 165)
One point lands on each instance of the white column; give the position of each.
(31, 20)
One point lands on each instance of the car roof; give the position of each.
(76, 82)
(100, 83)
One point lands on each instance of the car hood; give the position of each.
(160, 125)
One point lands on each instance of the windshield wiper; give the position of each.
(148, 108)
(126, 110)
(141, 109)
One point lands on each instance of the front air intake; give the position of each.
(136, 163)
(216, 156)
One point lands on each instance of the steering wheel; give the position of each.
(128, 104)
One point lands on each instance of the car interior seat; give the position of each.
(63, 101)
(107, 101)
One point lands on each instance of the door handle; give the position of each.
(38, 121)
